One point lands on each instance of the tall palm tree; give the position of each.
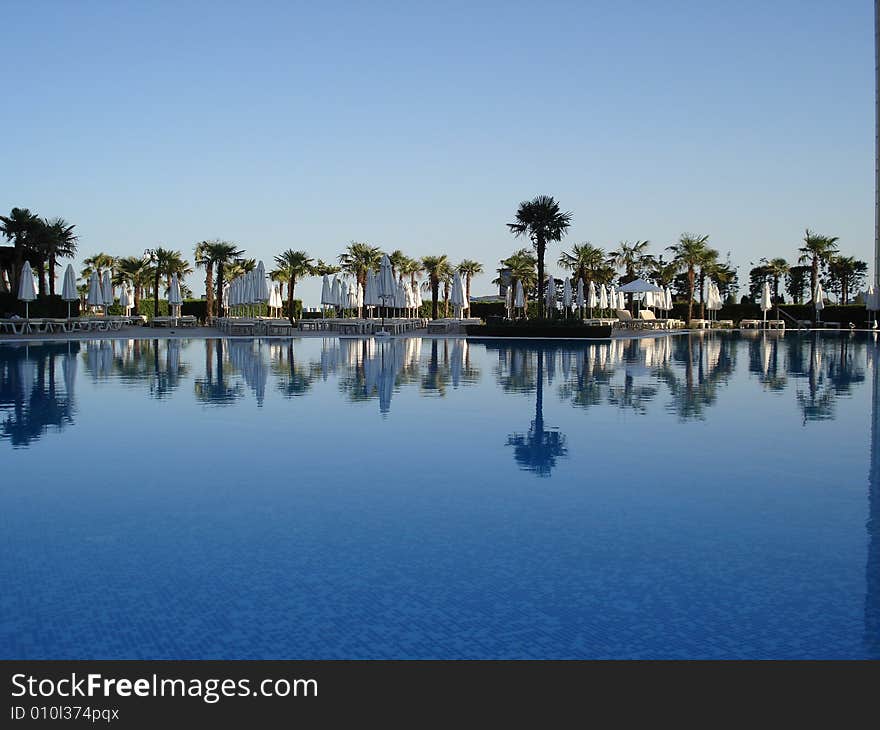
(359, 258)
(777, 268)
(585, 261)
(435, 267)
(844, 271)
(162, 261)
(202, 260)
(468, 268)
(60, 243)
(817, 249)
(296, 264)
(322, 268)
(543, 222)
(135, 271)
(399, 261)
(20, 227)
(447, 275)
(99, 262)
(689, 253)
(222, 254)
(412, 269)
(176, 264)
(520, 267)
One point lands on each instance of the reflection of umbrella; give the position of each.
(27, 288)
(68, 290)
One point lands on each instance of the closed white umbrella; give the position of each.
(334, 292)
(343, 295)
(68, 290)
(621, 300)
(95, 297)
(603, 297)
(581, 300)
(123, 299)
(456, 296)
(417, 294)
(592, 299)
(107, 291)
(819, 300)
(465, 304)
(386, 288)
(871, 300)
(370, 297)
(353, 295)
(550, 294)
(325, 293)
(566, 295)
(766, 303)
(27, 288)
(668, 299)
(175, 299)
(520, 299)
(261, 288)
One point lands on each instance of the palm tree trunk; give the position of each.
(290, 287)
(156, 293)
(690, 294)
(209, 291)
(702, 290)
(52, 274)
(435, 294)
(219, 288)
(814, 275)
(541, 247)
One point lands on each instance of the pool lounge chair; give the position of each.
(625, 319)
(648, 319)
(187, 320)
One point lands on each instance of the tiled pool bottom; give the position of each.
(690, 497)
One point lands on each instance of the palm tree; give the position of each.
(203, 260)
(777, 268)
(162, 260)
(20, 227)
(222, 254)
(447, 276)
(295, 264)
(435, 267)
(468, 268)
(585, 261)
(542, 221)
(60, 243)
(412, 269)
(359, 258)
(817, 249)
(137, 272)
(176, 264)
(520, 267)
(99, 263)
(689, 253)
(399, 261)
(321, 268)
(844, 271)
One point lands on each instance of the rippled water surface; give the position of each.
(712, 495)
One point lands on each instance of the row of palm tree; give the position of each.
(41, 242)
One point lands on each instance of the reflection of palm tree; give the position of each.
(213, 388)
(29, 390)
(538, 450)
(702, 379)
(295, 380)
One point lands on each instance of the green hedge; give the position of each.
(854, 313)
(45, 306)
(199, 308)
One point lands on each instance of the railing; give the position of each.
(797, 322)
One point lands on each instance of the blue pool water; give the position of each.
(704, 496)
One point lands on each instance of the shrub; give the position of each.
(45, 306)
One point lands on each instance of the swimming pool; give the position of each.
(703, 496)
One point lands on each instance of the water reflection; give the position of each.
(32, 398)
(681, 375)
(872, 568)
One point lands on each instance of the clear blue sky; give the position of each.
(421, 126)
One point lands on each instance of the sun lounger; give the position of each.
(162, 322)
(723, 323)
(188, 320)
(13, 326)
(625, 319)
(775, 324)
(699, 324)
(648, 319)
